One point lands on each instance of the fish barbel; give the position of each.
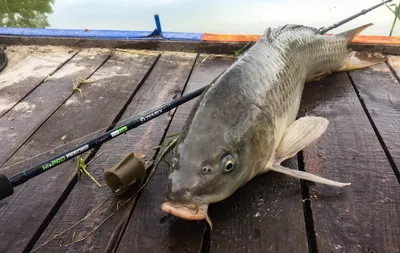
(244, 123)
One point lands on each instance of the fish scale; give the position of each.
(245, 122)
(280, 95)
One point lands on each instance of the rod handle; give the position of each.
(6, 188)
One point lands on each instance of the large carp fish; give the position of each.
(244, 123)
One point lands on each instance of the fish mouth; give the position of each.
(187, 213)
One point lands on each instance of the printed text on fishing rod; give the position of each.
(7, 184)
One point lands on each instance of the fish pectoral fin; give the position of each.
(318, 76)
(305, 175)
(299, 135)
(358, 60)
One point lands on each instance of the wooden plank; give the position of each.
(377, 48)
(261, 216)
(16, 53)
(181, 46)
(19, 80)
(23, 119)
(209, 47)
(25, 214)
(394, 63)
(165, 82)
(380, 93)
(362, 217)
(150, 229)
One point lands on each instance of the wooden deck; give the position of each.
(55, 212)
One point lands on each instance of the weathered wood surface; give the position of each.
(394, 63)
(265, 215)
(16, 53)
(150, 229)
(20, 79)
(209, 47)
(362, 217)
(180, 46)
(24, 118)
(165, 82)
(25, 214)
(380, 92)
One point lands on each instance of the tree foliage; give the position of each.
(25, 13)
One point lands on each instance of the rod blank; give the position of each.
(324, 30)
(7, 184)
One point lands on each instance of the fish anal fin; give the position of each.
(305, 175)
(299, 135)
(359, 60)
(349, 35)
(318, 76)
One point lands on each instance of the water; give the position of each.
(223, 16)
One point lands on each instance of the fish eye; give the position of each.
(228, 163)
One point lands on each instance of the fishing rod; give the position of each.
(7, 184)
(323, 30)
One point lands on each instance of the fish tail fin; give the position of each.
(349, 35)
(359, 60)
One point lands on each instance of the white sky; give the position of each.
(217, 16)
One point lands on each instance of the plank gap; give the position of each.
(206, 242)
(113, 124)
(307, 209)
(50, 115)
(29, 92)
(51, 214)
(392, 70)
(156, 153)
(378, 135)
(90, 156)
(121, 112)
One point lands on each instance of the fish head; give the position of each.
(218, 152)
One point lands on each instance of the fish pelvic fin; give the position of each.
(358, 60)
(299, 135)
(305, 175)
(349, 35)
(318, 76)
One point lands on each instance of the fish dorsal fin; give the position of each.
(349, 35)
(272, 34)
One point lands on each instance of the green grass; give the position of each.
(396, 13)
